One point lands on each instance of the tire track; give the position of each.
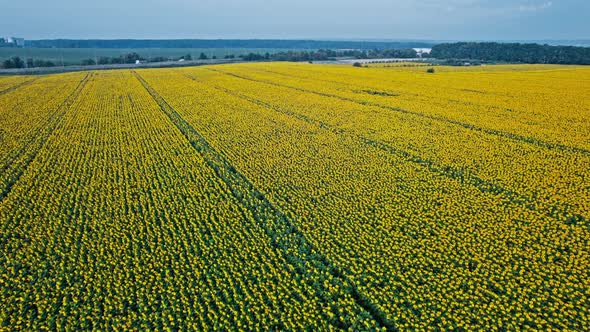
(28, 152)
(553, 211)
(414, 96)
(512, 136)
(18, 85)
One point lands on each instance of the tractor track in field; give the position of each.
(415, 96)
(512, 136)
(279, 227)
(38, 141)
(16, 86)
(450, 172)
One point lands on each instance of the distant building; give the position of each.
(14, 42)
(423, 52)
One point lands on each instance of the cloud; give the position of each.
(535, 7)
(482, 8)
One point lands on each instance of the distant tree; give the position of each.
(30, 62)
(14, 62)
(214, 57)
(203, 56)
(88, 62)
(158, 59)
(512, 52)
(43, 63)
(253, 57)
(187, 57)
(103, 60)
(130, 58)
(19, 63)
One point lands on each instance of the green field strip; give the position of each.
(281, 228)
(15, 167)
(512, 136)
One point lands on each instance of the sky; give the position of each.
(297, 19)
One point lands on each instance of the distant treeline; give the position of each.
(3, 43)
(133, 57)
(223, 43)
(513, 52)
(323, 55)
(17, 62)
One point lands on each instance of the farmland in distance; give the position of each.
(290, 196)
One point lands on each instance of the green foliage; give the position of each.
(14, 62)
(513, 52)
(88, 62)
(74, 56)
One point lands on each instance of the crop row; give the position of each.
(26, 120)
(544, 179)
(119, 223)
(426, 249)
(543, 105)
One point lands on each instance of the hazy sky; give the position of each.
(320, 19)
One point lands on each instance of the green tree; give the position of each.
(88, 62)
(14, 62)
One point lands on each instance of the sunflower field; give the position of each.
(289, 197)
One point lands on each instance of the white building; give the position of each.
(423, 52)
(18, 42)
